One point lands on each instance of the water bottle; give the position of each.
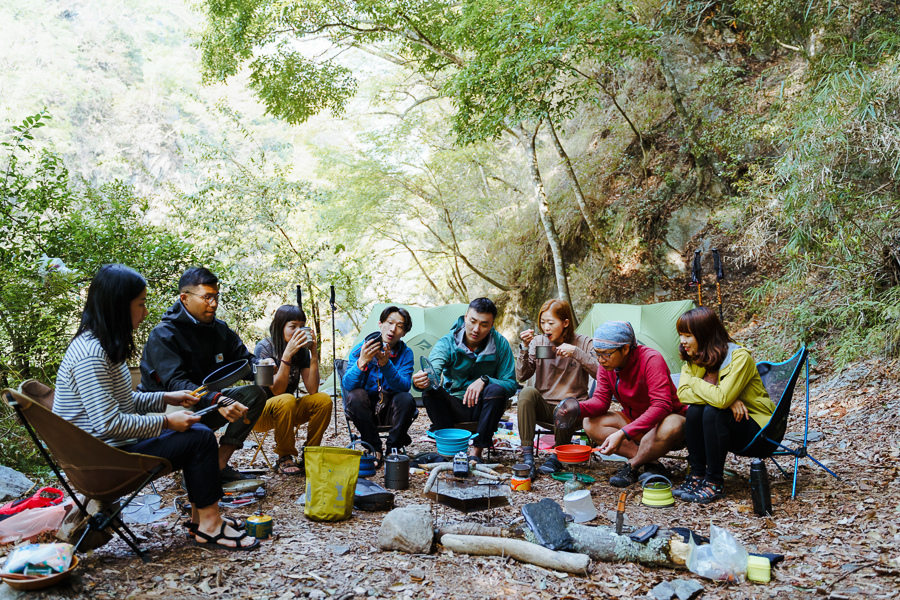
(759, 488)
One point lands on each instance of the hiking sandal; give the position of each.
(688, 487)
(230, 521)
(287, 462)
(215, 539)
(705, 492)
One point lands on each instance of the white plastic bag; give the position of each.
(723, 559)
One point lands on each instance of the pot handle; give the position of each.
(362, 443)
(655, 477)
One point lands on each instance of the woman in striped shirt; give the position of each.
(93, 391)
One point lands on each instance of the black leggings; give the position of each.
(711, 433)
(196, 453)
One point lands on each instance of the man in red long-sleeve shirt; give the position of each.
(651, 422)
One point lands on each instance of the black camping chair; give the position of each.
(780, 379)
(340, 367)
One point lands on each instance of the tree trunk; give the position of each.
(559, 265)
(593, 225)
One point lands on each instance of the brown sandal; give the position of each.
(287, 462)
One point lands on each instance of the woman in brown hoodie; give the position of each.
(567, 375)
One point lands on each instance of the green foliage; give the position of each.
(295, 84)
(530, 61)
(730, 124)
(45, 213)
(262, 227)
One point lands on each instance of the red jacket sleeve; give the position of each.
(599, 403)
(659, 390)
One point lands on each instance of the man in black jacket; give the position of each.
(188, 345)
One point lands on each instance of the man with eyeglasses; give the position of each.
(189, 344)
(651, 422)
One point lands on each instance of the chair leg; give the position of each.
(780, 468)
(259, 448)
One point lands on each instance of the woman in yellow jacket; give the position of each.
(727, 403)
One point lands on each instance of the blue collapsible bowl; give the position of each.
(452, 441)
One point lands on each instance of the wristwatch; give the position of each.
(485, 379)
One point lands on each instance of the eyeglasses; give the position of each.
(605, 356)
(208, 298)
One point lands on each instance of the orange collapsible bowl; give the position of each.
(573, 453)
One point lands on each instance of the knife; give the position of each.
(620, 513)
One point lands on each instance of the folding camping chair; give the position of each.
(780, 379)
(95, 469)
(340, 367)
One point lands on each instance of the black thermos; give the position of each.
(759, 488)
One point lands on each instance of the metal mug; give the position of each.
(264, 375)
(544, 352)
(309, 337)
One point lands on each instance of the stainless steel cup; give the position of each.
(264, 375)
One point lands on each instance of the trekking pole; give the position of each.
(720, 275)
(695, 277)
(334, 358)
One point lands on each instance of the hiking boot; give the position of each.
(624, 477)
(657, 468)
(229, 473)
(551, 465)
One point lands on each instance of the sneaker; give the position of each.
(229, 473)
(624, 477)
(551, 465)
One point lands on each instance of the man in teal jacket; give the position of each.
(479, 375)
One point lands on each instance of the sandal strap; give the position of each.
(212, 539)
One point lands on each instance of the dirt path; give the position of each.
(840, 538)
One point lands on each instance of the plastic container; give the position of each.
(760, 492)
(759, 569)
(580, 506)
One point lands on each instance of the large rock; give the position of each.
(13, 484)
(409, 529)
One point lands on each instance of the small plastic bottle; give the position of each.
(759, 488)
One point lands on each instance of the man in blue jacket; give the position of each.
(479, 375)
(378, 379)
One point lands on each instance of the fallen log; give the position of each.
(665, 549)
(469, 529)
(520, 550)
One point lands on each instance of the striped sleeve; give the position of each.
(96, 396)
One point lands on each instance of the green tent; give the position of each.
(429, 324)
(654, 325)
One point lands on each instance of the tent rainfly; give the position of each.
(429, 324)
(654, 325)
